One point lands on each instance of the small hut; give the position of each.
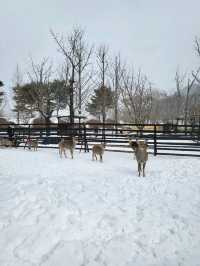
(40, 122)
(90, 123)
(66, 128)
(4, 122)
(110, 121)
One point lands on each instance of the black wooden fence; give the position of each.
(163, 139)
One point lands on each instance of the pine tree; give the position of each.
(22, 108)
(101, 102)
(43, 98)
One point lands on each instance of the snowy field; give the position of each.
(63, 212)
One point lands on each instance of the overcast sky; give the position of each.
(156, 36)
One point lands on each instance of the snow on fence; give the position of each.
(163, 139)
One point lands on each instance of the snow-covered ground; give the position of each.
(63, 212)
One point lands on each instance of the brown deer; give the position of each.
(98, 149)
(6, 142)
(34, 144)
(31, 143)
(67, 144)
(140, 150)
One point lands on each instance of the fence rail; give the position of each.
(163, 139)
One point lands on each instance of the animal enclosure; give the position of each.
(163, 139)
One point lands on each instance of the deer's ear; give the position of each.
(134, 144)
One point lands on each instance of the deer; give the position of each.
(67, 144)
(140, 150)
(6, 142)
(31, 143)
(98, 149)
(34, 144)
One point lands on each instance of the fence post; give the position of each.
(155, 141)
(84, 134)
(116, 128)
(103, 134)
(85, 139)
(29, 131)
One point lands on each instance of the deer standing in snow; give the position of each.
(67, 144)
(140, 150)
(98, 149)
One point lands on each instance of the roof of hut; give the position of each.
(90, 121)
(4, 122)
(39, 122)
(110, 121)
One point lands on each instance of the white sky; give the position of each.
(155, 35)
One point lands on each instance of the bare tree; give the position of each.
(137, 97)
(197, 49)
(41, 90)
(116, 77)
(2, 98)
(195, 107)
(83, 54)
(74, 50)
(159, 108)
(190, 83)
(102, 64)
(64, 77)
(197, 46)
(179, 99)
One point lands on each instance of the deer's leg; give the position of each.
(139, 168)
(101, 158)
(64, 151)
(60, 152)
(72, 155)
(81, 147)
(144, 164)
(92, 156)
(29, 145)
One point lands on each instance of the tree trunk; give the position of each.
(18, 117)
(103, 87)
(47, 124)
(80, 91)
(116, 97)
(71, 97)
(186, 107)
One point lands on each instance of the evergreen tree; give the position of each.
(101, 102)
(24, 107)
(43, 98)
